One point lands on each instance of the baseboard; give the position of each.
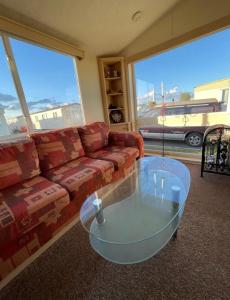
(28, 261)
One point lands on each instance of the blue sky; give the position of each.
(187, 66)
(47, 77)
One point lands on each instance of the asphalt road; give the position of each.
(153, 144)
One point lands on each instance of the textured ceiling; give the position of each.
(102, 26)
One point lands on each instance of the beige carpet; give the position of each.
(195, 266)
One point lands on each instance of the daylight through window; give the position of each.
(50, 87)
(183, 91)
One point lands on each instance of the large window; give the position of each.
(49, 88)
(183, 91)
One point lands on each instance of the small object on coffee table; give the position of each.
(99, 211)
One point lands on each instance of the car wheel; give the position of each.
(194, 139)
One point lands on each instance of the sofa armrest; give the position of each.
(127, 139)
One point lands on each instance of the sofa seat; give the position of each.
(120, 156)
(83, 176)
(25, 205)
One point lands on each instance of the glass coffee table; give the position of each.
(130, 220)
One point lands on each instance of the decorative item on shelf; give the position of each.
(216, 150)
(107, 72)
(116, 73)
(97, 203)
(116, 116)
(111, 106)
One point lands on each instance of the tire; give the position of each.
(194, 139)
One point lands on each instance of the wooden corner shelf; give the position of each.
(108, 67)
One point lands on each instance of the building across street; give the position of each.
(57, 117)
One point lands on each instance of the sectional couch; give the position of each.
(45, 178)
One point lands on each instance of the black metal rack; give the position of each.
(216, 150)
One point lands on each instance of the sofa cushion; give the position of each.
(127, 139)
(55, 148)
(18, 162)
(94, 136)
(82, 176)
(25, 205)
(118, 155)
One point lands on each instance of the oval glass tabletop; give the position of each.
(131, 220)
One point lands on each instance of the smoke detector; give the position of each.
(136, 16)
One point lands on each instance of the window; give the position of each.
(49, 81)
(46, 85)
(190, 85)
(175, 111)
(202, 109)
(11, 120)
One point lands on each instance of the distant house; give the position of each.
(218, 89)
(4, 129)
(57, 117)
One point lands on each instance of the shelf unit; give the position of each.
(114, 91)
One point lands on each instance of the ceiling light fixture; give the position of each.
(136, 16)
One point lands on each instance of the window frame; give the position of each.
(19, 88)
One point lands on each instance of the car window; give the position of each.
(201, 109)
(175, 111)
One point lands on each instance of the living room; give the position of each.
(113, 171)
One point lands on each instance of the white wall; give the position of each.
(88, 77)
(186, 16)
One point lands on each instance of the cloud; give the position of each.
(3, 106)
(9, 102)
(173, 90)
(43, 104)
(48, 103)
(40, 101)
(150, 93)
(7, 98)
(13, 106)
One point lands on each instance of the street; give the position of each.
(178, 146)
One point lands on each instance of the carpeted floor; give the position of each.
(195, 266)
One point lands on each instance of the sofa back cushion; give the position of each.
(57, 147)
(18, 162)
(94, 136)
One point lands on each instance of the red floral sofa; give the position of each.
(45, 179)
